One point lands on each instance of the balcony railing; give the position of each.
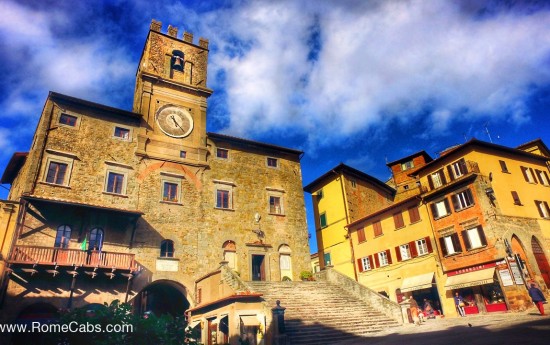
(72, 257)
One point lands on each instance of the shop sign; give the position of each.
(516, 272)
(505, 277)
(471, 269)
(164, 265)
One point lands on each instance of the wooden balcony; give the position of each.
(35, 255)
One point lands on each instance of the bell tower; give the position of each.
(171, 95)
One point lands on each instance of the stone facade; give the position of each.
(141, 186)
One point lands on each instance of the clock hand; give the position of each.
(176, 122)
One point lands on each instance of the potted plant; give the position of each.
(306, 275)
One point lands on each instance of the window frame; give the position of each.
(224, 186)
(122, 138)
(460, 200)
(407, 248)
(164, 249)
(365, 264)
(269, 162)
(421, 243)
(273, 210)
(219, 150)
(458, 169)
(93, 242)
(542, 177)
(60, 235)
(57, 173)
(543, 208)
(76, 124)
(454, 241)
(384, 258)
(59, 158)
(407, 165)
(122, 185)
(515, 198)
(503, 166)
(323, 216)
(468, 238)
(398, 220)
(528, 174)
(435, 209)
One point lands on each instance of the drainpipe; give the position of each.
(347, 222)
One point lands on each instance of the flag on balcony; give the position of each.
(83, 244)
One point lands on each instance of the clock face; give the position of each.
(174, 121)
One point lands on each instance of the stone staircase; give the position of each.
(318, 312)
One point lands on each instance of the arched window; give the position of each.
(96, 239)
(62, 237)
(284, 259)
(167, 249)
(230, 254)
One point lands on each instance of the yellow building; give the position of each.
(341, 196)
(8, 217)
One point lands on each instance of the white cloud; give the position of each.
(398, 58)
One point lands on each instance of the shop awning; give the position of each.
(193, 324)
(475, 278)
(249, 320)
(422, 281)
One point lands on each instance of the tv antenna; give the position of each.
(487, 131)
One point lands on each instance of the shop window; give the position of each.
(96, 239)
(462, 200)
(365, 263)
(542, 207)
(503, 166)
(414, 215)
(528, 174)
(450, 245)
(167, 249)
(361, 235)
(398, 220)
(474, 238)
(543, 177)
(62, 237)
(440, 208)
(68, 120)
(377, 226)
(515, 196)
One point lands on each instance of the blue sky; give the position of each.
(359, 82)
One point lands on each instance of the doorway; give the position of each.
(542, 263)
(258, 267)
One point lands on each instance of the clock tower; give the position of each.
(171, 95)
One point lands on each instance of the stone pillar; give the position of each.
(405, 311)
(278, 321)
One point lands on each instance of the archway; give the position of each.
(518, 249)
(43, 313)
(162, 297)
(542, 262)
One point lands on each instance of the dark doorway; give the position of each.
(258, 267)
(162, 297)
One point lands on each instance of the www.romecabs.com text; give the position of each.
(71, 327)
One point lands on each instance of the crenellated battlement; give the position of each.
(173, 32)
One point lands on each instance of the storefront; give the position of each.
(423, 289)
(479, 287)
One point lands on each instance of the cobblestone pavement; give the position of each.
(499, 328)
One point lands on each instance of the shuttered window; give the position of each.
(398, 220)
(462, 200)
(450, 244)
(474, 238)
(542, 207)
(528, 174)
(440, 208)
(515, 196)
(414, 215)
(361, 235)
(377, 228)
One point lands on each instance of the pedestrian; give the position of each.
(459, 303)
(416, 314)
(537, 297)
